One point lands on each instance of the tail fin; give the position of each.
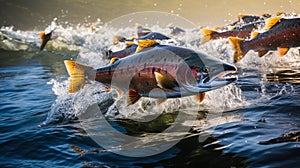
(207, 35)
(45, 38)
(77, 74)
(236, 46)
(44, 42)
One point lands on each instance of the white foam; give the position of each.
(89, 45)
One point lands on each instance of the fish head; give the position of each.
(201, 73)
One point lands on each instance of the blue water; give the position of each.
(43, 126)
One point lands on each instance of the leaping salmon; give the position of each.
(160, 72)
(281, 34)
(242, 28)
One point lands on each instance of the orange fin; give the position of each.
(45, 38)
(164, 82)
(236, 46)
(262, 52)
(280, 13)
(77, 74)
(42, 35)
(254, 34)
(199, 97)
(113, 60)
(282, 51)
(207, 35)
(241, 16)
(270, 22)
(132, 97)
(142, 44)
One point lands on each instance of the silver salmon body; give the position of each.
(281, 34)
(159, 72)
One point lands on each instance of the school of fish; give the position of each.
(146, 68)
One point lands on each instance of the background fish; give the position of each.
(241, 28)
(281, 34)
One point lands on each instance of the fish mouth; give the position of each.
(213, 82)
(223, 78)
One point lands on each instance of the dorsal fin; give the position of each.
(280, 13)
(272, 22)
(113, 60)
(142, 44)
(254, 34)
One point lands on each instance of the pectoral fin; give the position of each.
(113, 60)
(132, 97)
(199, 97)
(164, 82)
(282, 51)
(262, 52)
